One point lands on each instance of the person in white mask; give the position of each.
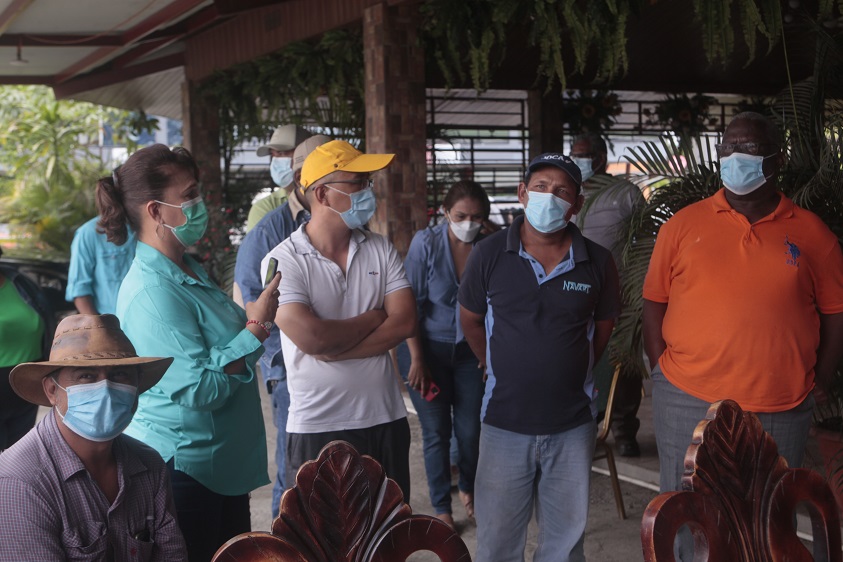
(280, 148)
(74, 487)
(438, 358)
(743, 300)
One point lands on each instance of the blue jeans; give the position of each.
(280, 411)
(516, 472)
(676, 415)
(453, 368)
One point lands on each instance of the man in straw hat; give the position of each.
(74, 487)
(345, 302)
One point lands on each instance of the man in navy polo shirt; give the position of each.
(538, 303)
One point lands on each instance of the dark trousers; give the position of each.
(625, 422)
(387, 443)
(207, 519)
(17, 416)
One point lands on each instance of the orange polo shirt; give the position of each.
(742, 317)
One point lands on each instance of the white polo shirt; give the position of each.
(352, 394)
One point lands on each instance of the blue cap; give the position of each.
(556, 160)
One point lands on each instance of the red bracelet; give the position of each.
(261, 324)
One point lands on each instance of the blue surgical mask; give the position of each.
(281, 171)
(743, 173)
(196, 221)
(98, 411)
(584, 164)
(363, 205)
(546, 212)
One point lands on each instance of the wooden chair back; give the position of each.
(603, 450)
(343, 508)
(739, 498)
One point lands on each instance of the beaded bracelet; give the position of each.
(261, 324)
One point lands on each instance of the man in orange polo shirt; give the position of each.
(743, 300)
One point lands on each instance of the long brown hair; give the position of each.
(143, 178)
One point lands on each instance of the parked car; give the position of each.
(51, 276)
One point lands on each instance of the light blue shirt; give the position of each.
(97, 266)
(430, 270)
(209, 422)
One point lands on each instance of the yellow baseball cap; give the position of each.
(339, 156)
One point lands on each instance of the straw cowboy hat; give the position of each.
(86, 340)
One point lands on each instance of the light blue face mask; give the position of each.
(743, 173)
(98, 411)
(584, 164)
(281, 171)
(363, 205)
(546, 212)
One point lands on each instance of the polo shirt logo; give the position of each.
(793, 252)
(376, 273)
(576, 287)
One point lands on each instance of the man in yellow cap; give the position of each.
(345, 302)
(74, 488)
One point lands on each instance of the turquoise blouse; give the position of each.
(208, 422)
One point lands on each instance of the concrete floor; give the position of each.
(608, 538)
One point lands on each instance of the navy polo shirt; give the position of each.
(539, 329)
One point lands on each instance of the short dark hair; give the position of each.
(467, 189)
(771, 131)
(142, 178)
(595, 141)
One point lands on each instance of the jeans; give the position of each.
(517, 472)
(280, 412)
(676, 415)
(453, 368)
(206, 519)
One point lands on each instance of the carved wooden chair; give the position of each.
(343, 508)
(740, 497)
(604, 450)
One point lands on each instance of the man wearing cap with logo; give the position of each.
(74, 488)
(743, 300)
(345, 302)
(280, 147)
(273, 229)
(538, 304)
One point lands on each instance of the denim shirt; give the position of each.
(207, 421)
(97, 266)
(430, 270)
(272, 229)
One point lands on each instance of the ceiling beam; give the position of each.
(164, 37)
(26, 80)
(13, 12)
(232, 7)
(58, 40)
(149, 25)
(96, 80)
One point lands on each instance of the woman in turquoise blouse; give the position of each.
(204, 416)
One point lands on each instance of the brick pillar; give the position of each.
(547, 132)
(201, 136)
(395, 118)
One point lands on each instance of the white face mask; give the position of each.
(465, 231)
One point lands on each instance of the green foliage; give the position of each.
(590, 111)
(51, 161)
(475, 33)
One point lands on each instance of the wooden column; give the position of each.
(395, 118)
(202, 137)
(547, 132)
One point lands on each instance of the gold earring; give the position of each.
(158, 232)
